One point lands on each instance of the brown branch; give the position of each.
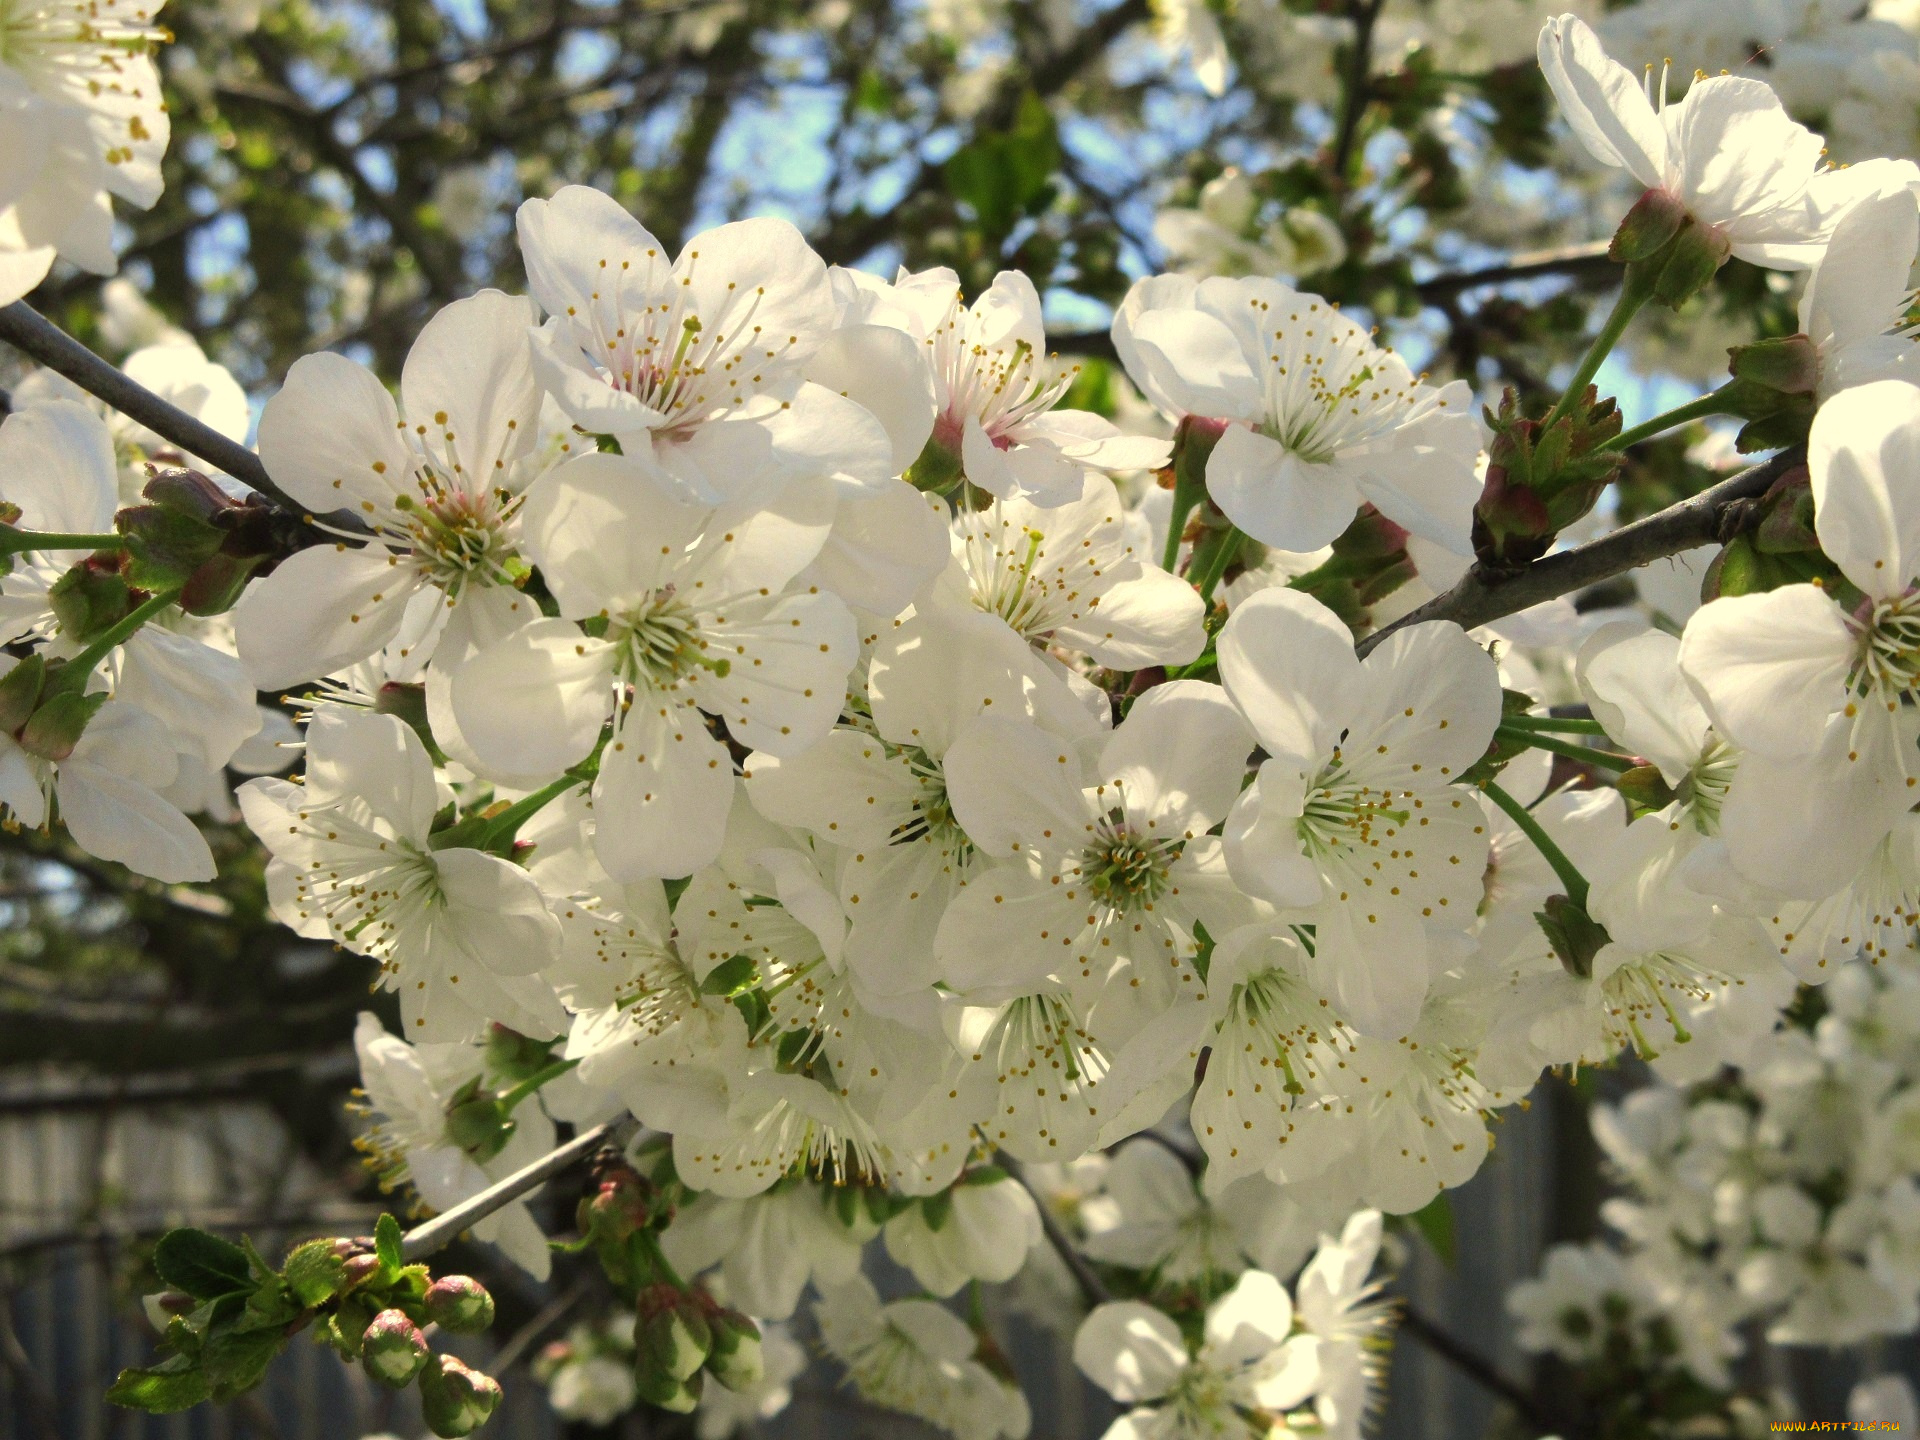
(1475, 1366)
(1356, 93)
(1711, 517)
(1589, 258)
(31, 333)
(1091, 1285)
(439, 1231)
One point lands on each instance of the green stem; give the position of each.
(509, 820)
(1566, 724)
(1708, 404)
(16, 542)
(534, 1081)
(1569, 873)
(1605, 759)
(1208, 659)
(1215, 562)
(1187, 493)
(74, 674)
(1635, 291)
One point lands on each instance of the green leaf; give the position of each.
(1435, 1223)
(314, 1273)
(237, 1361)
(388, 1242)
(730, 976)
(204, 1266)
(161, 1390)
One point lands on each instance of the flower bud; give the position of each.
(671, 1336)
(656, 1387)
(393, 1350)
(481, 1127)
(361, 1268)
(455, 1400)
(56, 727)
(88, 599)
(939, 466)
(20, 691)
(459, 1303)
(735, 1359)
(163, 1305)
(1656, 217)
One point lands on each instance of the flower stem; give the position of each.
(15, 542)
(1213, 559)
(1569, 873)
(1708, 404)
(1605, 759)
(74, 675)
(1562, 724)
(1635, 291)
(534, 1081)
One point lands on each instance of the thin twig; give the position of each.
(549, 1315)
(427, 1238)
(1475, 1366)
(19, 1367)
(31, 333)
(1704, 519)
(1091, 1285)
(1359, 83)
(1589, 257)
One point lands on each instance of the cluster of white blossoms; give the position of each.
(739, 694)
(83, 120)
(1784, 1200)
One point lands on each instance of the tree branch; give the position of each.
(1090, 1284)
(1475, 1366)
(31, 333)
(1359, 79)
(437, 1232)
(1590, 257)
(1711, 517)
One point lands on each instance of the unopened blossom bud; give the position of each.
(56, 727)
(481, 1127)
(161, 1306)
(1688, 263)
(657, 1387)
(20, 691)
(1656, 217)
(459, 1303)
(735, 1359)
(671, 1336)
(88, 598)
(393, 1350)
(1541, 478)
(1369, 562)
(361, 1268)
(1773, 390)
(188, 492)
(456, 1400)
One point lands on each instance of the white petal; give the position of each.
(1287, 663)
(883, 369)
(495, 912)
(1863, 455)
(57, 465)
(115, 818)
(1179, 758)
(661, 802)
(1196, 363)
(375, 759)
(535, 703)
(1130, 1350)
(330, 437)
(472, 365)
(320, 610)
(1603, 101)
(603, 529)
(1277, 497)
(1769, 668)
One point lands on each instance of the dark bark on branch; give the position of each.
(1586, 259)
(31, 333)
(1356, 90)
(1473, 1365)
(1713, 516)
(1091, 1285)
(444, 1227)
